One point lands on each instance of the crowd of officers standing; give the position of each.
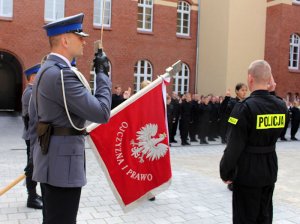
(205, 118)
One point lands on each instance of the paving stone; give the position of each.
(196, 195)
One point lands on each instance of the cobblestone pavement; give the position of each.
(196, 195)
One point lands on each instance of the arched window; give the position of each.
(142, 71)
(98, 5)
(183, 18)
(181, 80)
(54, 9)
(294, 51)
(93, 78)
(145, 14)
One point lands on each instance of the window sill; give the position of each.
(145, 32)
(183, 37)
(104, 28)
(6, 18)
(294, 70)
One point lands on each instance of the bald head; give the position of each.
(261, 72)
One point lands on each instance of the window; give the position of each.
(93, 78)
(183, 18)
(296, 2)
(142, 71)
(98, 6)
(294, 51)
(6, 8)
(145, 12)
(181, 80)
(54, 9)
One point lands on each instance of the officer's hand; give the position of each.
(272, 85)
(127, 93)
(101, 63)
(228, 93)
(29, 169)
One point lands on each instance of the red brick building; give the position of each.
(282, 49)
(141, 39)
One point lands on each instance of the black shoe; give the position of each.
(230, 187)
(203, 142)
(211, 139)
(193, 140)
(173, 141)
(283, 139)
(34, 202)
(294, 139)
(152, 199)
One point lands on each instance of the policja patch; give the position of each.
(233, 120)
(266, 121)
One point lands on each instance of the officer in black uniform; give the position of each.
(34, 200)
(227, 106)
(185, 118)
(250, 159)
(176, 111)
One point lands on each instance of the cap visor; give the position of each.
(82, 34)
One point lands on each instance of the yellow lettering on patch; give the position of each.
(232, 120)
(267, 121)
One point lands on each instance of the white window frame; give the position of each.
(181, 11)
(294, 51)
(180, 78)
(53, 10)
(97, 18)
(297, 2)
(10, 5)
(93, 78)
(145, 4)
(139, 77)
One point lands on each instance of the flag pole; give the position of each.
(171, 71)
(12, 184)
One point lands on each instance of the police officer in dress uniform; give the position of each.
(250, 159)
(34, 200)
(62, 104)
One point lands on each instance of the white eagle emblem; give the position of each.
(149, 145)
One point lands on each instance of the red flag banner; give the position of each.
(133, 147)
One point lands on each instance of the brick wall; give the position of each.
(282, 21)
(24, 37)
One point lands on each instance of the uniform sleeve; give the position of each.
(81, 102)
(32, 127)
(237, 138)
(223, 106)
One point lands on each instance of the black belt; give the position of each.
(260, 149)
(60, 131)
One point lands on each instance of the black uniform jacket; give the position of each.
(254, 125)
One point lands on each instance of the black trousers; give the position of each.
(174, 129)
(30, 184)
(60, 205)
(252, 205)
(294, 127)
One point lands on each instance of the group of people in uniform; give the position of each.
(205, 118)
(201, 118)
(57, 102)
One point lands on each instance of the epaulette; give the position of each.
(62, 66)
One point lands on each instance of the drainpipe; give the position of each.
(197, 54)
